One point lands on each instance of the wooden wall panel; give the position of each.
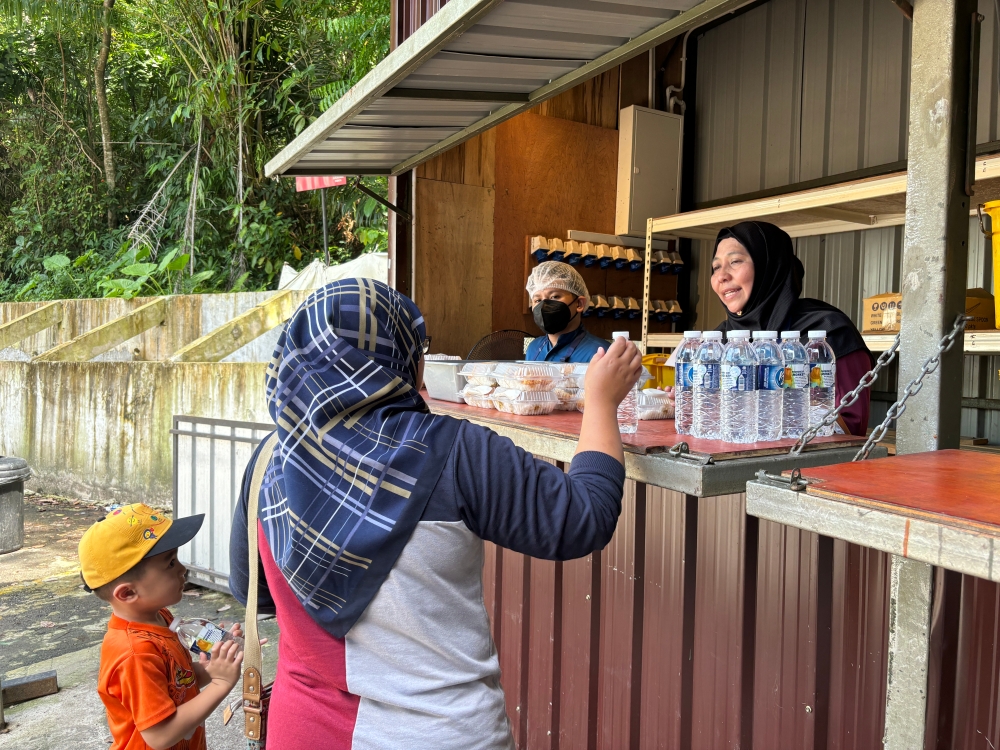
(469, 163)
(454, 263)
(552, 175)
(593, 102)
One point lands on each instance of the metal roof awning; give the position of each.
(474, 64)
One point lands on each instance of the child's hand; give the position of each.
(224, 666)
(236, 631)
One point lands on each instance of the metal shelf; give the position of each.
(976, 342)
(846, 207)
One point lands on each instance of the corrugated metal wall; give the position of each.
(794, 90)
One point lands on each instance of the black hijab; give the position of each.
(774, 303)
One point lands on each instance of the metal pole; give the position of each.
(935, 246)
(326, 247)
(935, 256)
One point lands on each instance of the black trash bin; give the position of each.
(13, 472)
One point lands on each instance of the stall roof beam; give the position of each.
(30, 323)
(515, 79)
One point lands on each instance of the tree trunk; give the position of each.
(102, 106)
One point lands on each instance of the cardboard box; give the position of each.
(979, 304)
(883, 312)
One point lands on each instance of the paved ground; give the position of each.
(48, 622)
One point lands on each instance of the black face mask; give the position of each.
(552, 316)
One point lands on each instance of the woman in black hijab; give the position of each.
(759, 280)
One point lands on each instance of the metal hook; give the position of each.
(795, 481)
(982, 227)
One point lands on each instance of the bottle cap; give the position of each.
(790, 334)
(622, 334)
(817, 334)
(712, 335)
(692, 334)
(739, 334)
(765, 334)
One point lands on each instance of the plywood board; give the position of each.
(552, 175)
(454, 263)
(469, 163)
(593, 102)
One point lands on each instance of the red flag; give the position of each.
(315, 183)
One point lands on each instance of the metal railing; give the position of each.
(209, 458)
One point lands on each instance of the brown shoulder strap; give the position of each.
(253, 681)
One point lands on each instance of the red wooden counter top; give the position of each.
(940, 485)
(653, 436)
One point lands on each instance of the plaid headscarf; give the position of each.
(358, 451)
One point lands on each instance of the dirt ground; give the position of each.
(47, 621)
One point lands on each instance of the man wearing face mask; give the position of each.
(558, 299)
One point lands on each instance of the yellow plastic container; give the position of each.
(663, 376)
(993, 209)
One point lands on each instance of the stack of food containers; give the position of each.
(480, 384)
(525, 389)
(567, 389)
(654, 403)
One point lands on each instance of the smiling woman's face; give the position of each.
(732, 274)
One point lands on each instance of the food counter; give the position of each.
(697, 621)
(936, 514)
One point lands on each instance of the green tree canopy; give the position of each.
(134, 134)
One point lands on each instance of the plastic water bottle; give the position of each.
(705, 386)
(770, 381)
(628, 409)
(739, 389)
(200, 635)
(683, 388)
(822, 377)
(795, 393)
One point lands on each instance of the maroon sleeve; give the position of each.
(850, 369)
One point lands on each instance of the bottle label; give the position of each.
(770, 377)
(705, 376)
(206, 639)
(739, 378)
(683, 375)
(796, 376)
(822, 375)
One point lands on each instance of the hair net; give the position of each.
(553, 274)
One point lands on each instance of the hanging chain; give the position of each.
(897, 409)
(849, 398)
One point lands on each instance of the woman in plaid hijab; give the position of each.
(373, 512)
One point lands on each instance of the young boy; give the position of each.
(155, 696)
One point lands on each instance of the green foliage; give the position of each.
(244, 75)
(360, 39)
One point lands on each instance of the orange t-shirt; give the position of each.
(146, 673)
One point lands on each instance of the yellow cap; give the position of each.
(115, 544)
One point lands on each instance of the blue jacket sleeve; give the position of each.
(507, 496)
(239, 550)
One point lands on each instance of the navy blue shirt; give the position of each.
(541, 349)
(503, 494)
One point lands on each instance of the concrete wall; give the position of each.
(102, 429)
